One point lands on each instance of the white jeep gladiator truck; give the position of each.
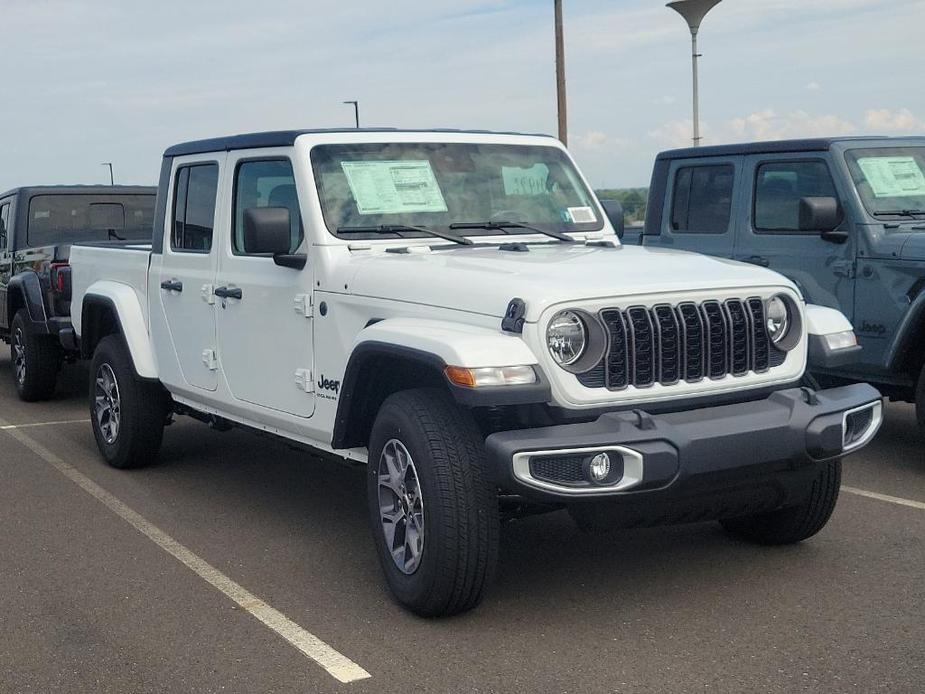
(454, 310)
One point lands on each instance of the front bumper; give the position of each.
(764, 442)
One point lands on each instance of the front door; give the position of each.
(6, 262)
(188, 270)
(771, 236)
(265, 325)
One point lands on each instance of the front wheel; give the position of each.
(127, 414)
(433, 509)
(794, 523)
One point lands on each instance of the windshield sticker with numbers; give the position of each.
(394, 187)
(893, 177)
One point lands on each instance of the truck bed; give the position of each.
(114, 263)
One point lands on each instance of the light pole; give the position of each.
(560, 75)
(693, 12)
(356, 111)
(111, 179)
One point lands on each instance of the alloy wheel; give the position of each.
(107, 405)
(401, 506)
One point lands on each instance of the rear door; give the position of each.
(770, 235)
(188, 268)
(700, 198)
(6, 258)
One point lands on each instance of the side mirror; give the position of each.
(266, 230)
(819, 214)
(614, 211)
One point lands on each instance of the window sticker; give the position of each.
(518, 181)
(582, 215)
(893, 177)
(394, 187)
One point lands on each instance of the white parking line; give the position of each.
(337, 665)
(885, 497)
(7, 427)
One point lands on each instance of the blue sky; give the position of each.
(89, 81)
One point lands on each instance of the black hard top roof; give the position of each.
(284, 138)
(81, 190)
(819, 144)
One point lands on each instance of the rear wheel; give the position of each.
(127, 414)
(36, 360)
(793, 523)
(433, 509)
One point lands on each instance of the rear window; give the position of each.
(55, 219)
(702, 201)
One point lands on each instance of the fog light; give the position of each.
(599, 468)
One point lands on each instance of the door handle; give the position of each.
(172, 285)
(757, 260)
(226, 293)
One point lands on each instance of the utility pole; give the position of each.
(560, 75)
(112, 181)
(356, 111)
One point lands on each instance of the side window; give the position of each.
(194, 207)
(779, 187)
(702, 200)
(268, 183)
(4, 224)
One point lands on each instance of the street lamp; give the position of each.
(109, 164)
(356, 111)
(693, 12)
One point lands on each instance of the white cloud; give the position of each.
(770, 125)
(813, 87)
(883, 120)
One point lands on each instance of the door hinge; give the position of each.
(303, 304)
(208, 293)
(303, 380)
(209, 359)
(844, 268)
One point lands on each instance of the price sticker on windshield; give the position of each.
(893, 177)
(394, 187)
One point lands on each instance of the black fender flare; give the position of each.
(350, 403)
(27, 286)
(907, 330)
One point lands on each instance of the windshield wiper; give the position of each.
(503, 226)
(397, 228)
(901, 213)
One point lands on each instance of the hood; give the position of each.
(483, 280)
(914, 247)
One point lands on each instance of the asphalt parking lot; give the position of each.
(90, 603)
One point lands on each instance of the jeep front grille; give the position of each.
(686, 342)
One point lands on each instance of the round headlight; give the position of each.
(566, 337)
(777, 317)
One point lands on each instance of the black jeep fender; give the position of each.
(25, 291)
(375, 370)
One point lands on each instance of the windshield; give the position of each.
(890, 180)
(65, 218)
(365, 186)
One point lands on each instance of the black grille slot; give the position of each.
(762, 349)
(642, 334)
(717, 342)
(560, 469)
(669, 341)
(740, 337)
(618, 362)
(690, 342)
(692, 324)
